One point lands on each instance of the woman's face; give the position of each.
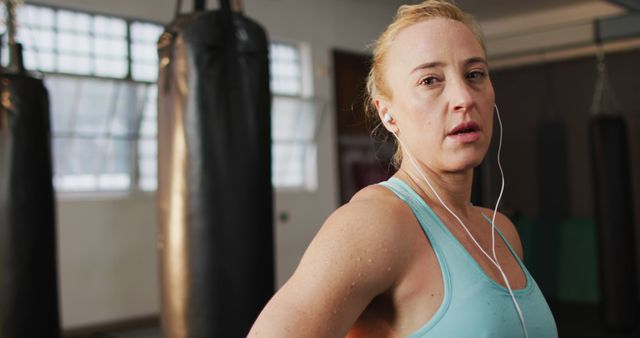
(442, 97)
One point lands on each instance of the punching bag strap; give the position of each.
(198, 5)
(225, 5)
(236, 6)
(230, 46)
(177, 9)
(604, 100)
(228, 32)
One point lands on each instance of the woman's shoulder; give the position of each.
(347, 246)
(374, 217)
(377, 201)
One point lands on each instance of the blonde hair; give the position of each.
(406, 16)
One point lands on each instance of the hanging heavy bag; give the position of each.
(613, 209)
(28, 279)
(615, 222)
(214, 192)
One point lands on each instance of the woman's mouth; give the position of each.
(466, 132)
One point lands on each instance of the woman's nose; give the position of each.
(460, 95)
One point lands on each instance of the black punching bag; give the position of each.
(28, 280)
(214, 193)
(615, 223)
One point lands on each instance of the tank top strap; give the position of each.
(413, 200)
(428, 220)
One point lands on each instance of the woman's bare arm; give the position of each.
(343, 269)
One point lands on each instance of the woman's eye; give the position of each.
(429, 81)
(476, 75)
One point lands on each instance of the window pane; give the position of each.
(110, 67)
(148, 125)
(94, 103)
(63, 92)
(37, 39)
(83, 22)
(286, 74)
(30, 59)
(288, 165)
(83, 45)
(123, 112)
(74, 64)
(285, 86)
(46, 61)
(148, 174)
(285, 52)
(35, 16)
(147, 145)
(144, 72)
(66, 20)
(141, 52)
(66, 42)
(74, 44)
(293, 119)
(147, 148)
(144, 52)
(26, 15)
(145, 32)
(91, 164)
(116, 47)
(106, 26)
(286, 70)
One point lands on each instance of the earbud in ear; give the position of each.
(387, 117)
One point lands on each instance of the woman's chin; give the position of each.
(464, 164)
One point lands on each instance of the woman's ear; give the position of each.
(384, 113)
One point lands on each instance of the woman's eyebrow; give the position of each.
(435, 64)
(426, 65)
(475, 59)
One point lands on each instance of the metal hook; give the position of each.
(236, 6)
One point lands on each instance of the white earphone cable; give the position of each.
(493, 260)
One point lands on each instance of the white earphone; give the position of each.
(385, 119)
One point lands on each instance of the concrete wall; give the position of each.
(107, 257)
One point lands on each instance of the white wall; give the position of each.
(107, 257)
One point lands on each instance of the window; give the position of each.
(293, 120)
(101, 72)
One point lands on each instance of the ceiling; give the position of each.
(491, 9)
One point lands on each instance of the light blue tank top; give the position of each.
(474, 305)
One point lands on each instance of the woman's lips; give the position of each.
(468, 137)
(466, 132)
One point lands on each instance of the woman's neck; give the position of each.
(453, 188)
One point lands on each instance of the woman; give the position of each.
(396, 260)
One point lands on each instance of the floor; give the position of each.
(142, 332)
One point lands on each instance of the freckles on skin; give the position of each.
(443, 50)
(434, 40)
